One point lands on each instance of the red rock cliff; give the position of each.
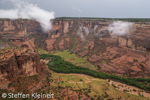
(16, 62)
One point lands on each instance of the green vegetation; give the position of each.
(57, 64)
(42, 51)
(134, 90)
(99, 67)
(120, 19)
(66, 55)
(98, 89)
(78, 61)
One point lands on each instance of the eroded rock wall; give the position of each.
(138, 39)
(18, 31)
(128, 54)
(125, 55)
(16, 62)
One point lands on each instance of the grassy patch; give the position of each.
(66, 55)
(92, 87)
(42, 51)
(112, 92)
(71, 57)
(79, 60)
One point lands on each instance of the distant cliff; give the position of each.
(19, 32)
(28, 33)
(125, 55)
(137, 40)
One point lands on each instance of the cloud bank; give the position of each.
(120, 28)
(26, 10)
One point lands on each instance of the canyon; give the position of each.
(21, 68)
(126, 55)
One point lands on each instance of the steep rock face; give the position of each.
(49, 43)
(21, 32)
(19, 62)
(91, 38)
(136, 40)
(17, 32)
(86, 37)
(87, 26)
(126, 42)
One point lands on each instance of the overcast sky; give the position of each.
(91, 8)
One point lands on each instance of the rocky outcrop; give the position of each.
(62, 27)
(16, 62)
(19, 32)
(49, 43)
(94, 58)
(126, 42)
(136, 40)
(85, 37)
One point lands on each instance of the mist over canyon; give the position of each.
(25, 10)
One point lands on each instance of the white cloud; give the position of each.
(29, 11)
(120, 28)
(12, 13)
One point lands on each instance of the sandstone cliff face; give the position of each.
(122, 55)
(137, 40)
(17, 31)
(16, 62)
(89, 38)
(87, 26)
(23, 32)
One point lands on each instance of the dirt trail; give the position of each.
(129, 89)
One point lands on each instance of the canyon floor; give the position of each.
(98, 88)
(65, 86)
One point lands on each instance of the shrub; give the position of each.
(135, 60)
(134, 90)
